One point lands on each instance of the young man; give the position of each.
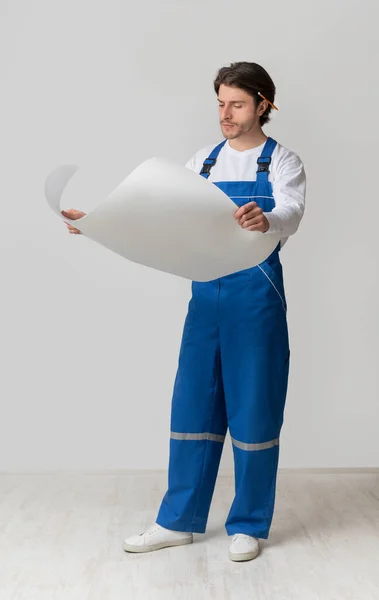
(234, 357)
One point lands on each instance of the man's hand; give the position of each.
(73, 214)
(251, 217)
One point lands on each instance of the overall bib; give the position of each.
(232, 373)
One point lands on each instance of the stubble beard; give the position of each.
(238, 130)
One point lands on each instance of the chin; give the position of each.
(229, 135)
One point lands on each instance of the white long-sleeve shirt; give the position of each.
(287, 176)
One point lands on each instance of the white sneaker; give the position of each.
(155, 538)
(243, 547)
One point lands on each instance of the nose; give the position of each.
(226, 113)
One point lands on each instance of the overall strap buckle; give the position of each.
(207, 165)
(263, 164)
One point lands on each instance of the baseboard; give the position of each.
(163, 472)
(318, 470)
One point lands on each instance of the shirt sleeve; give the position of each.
(289, 188)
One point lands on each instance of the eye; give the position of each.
(238, 106)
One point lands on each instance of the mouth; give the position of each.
(227, 125)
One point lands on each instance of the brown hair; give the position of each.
(250, 77)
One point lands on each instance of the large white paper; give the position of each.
(169, 218)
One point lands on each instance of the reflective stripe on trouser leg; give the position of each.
(198, 423)
(197, 436)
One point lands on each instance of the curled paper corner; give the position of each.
(55, 184)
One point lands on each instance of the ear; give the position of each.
(262, 107)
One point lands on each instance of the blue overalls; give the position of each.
(232, 372)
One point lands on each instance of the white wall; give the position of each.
(89, 342)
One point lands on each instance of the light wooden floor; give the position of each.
(61, 535)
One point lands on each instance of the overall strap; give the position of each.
(211, 160)
(264, 160)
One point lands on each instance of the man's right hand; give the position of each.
(71, 213)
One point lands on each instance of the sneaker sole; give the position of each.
(131, 548)
(244, 556)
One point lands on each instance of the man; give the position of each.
(234, 357)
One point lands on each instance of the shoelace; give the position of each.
(243, 535)
(148, 530)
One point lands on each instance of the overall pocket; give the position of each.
(275, 280)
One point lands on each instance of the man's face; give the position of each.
(237, 110)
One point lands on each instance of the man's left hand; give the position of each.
(251, 217)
